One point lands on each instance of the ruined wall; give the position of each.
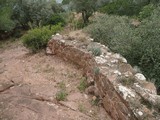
(117, 84)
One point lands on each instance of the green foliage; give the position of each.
(61, 95)
(113, 31)
(127, 81)
(33, 13)
(96, 70)
(96, 51)
(139, 45)
(146, 11)
(149, 33)
(6, 23)
(81, 108)
(86, 7)
(95, 101)
(64, 2)
(123, 7)
(37, 38)
(56, 19)
(83, 84)
(78, 24)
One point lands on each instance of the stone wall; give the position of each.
(122, 91)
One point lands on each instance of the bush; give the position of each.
(113, 31)
(123, 7)
(139, 45)
(146, 11)
(37, 39)
(149, 33)
(96, 51)
(6, 23)
(78, 24)
(56, 19)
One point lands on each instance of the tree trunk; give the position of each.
(85, 17)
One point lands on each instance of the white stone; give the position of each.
(140, 76)
(57, 34)
(117, 72)
(63, 41)
(52, 36)
(86, 96)
(100, 60)
(109, 53)
(102, 56)
(118, 56)
(140, 113)
(114, 61)
(106, 56)
(124, 60)
(103, 45)
(126, 92)
(91, 39)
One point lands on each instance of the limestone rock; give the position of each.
(126, 92)
(100, 60)
(140, 76)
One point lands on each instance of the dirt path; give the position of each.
(29, 84)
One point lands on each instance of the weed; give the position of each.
(83, 84)
(81, 108)
(127, 81)
(95, 101)
(62, 86)
(61, 95)
(96, 70)
(96, 51)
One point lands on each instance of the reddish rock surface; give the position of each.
(29, 83)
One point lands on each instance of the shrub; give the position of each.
(83, 84)
(56, 19)
(113, 31)
(61, 95)
(123, 7)
(139, 45)
(96, 51)
(78, 24)
(36, 39)
(146, 11)
(149, 33)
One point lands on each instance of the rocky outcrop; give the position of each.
(125, 94)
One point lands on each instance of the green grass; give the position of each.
(81, 108)
(61, 94)
(96, 51)
(83, 84)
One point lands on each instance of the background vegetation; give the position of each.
(140, 43)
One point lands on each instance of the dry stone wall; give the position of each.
(125, 94)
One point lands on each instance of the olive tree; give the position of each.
(33, 13)
(86, 7)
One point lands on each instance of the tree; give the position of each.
(6, 23)
(86, 7)
(34, 13)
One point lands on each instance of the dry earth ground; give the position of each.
(29, 83)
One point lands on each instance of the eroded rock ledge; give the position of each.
(125, 93)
